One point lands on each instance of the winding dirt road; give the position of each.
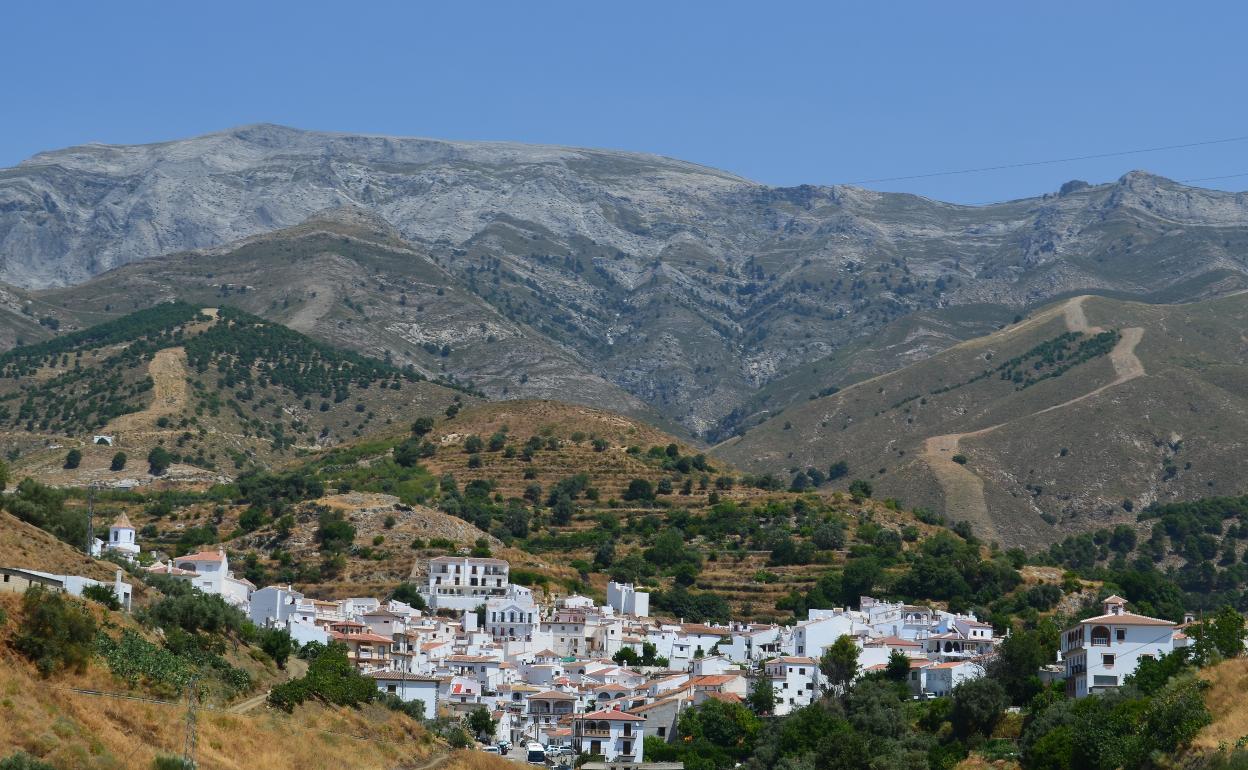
(963, 490)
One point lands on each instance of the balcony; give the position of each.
(595, 733)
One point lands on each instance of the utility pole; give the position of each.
(192, 736)
(90, 519)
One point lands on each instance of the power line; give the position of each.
(1053, 161)
(1212, 178)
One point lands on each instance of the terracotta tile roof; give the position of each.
(122, 522)
(402, 676)
(893, 641)
(202, 556)
(360, 637)
(1126, 619)
(613, 715)
(553, 695)
(165, 569)
(727, 697)
(713, 680)
(796, 661)
(701, 628)
(655, 705)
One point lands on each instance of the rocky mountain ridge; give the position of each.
(684, 287)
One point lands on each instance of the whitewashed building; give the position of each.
(209, 571)
(616, 735)
(1101, 652)
(795, 681)
(625, 599)
(465, 582)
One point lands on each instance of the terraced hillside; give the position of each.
(217, 390)
(1064, 422)
(570, 495)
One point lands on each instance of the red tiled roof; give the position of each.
(727, 697)
(1126, 619)
(360, 637)
(202, 556)
(613, 715)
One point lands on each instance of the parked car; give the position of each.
(491, 750)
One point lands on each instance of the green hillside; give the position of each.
(219, 390)
(1064, 422)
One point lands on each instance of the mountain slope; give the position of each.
(347, 277)
(216, 387)
(1060, 423)
(687, 287)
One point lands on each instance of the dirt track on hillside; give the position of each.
(169, 392)
(963, 489)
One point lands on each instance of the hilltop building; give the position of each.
(1101, 652)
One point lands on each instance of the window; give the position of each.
(1107, 660)
(1100, 636)
(1120, 634)
(662, 732)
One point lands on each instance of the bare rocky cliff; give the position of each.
(687, 288)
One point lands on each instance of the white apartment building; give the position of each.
(616, 735)
(1101, 652)
(625, 599)
(465, 582)
(795, 681)
(514, 617)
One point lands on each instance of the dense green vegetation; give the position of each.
(331, 678)
(95, 371)
(1206, 537)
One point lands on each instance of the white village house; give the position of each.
(1101, 652)
(209, 571)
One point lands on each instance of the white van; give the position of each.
(536, 753)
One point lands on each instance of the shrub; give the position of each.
(57, 631)
(331, 678)
(159, 460)
(103, 594)
(119, 462)
(167, 762)
(73, 459)
(22, 761)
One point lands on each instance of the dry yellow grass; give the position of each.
(477, 760)
(1225, 699)
(27, 546)
(68, 729)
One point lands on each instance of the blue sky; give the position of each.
(785, 93)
